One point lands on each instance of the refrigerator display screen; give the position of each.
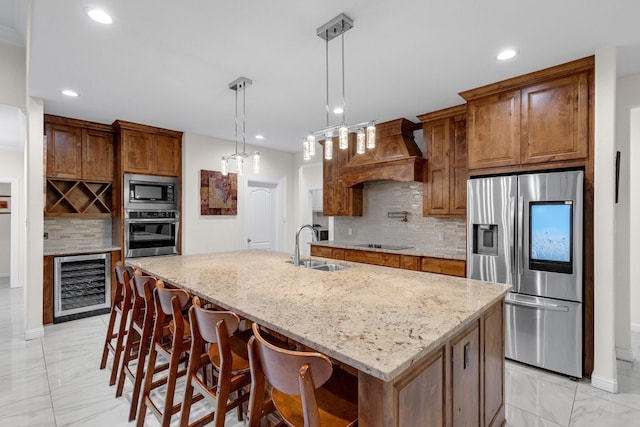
(550, 236)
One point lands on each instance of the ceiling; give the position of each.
(168, 63)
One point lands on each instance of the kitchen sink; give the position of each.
(382, 246)
(322, 266)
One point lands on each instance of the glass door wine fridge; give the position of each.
(81, 286)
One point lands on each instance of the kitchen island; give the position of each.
(429, 349)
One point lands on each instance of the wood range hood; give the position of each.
(396, 157)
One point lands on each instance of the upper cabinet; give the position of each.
(78, 150)
(338, 200)
(536, 118)
(444, 132)
(149, 150)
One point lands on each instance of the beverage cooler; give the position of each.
(81, 286)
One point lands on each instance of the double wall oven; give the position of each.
(151, 215)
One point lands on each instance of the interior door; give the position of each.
(261, 216)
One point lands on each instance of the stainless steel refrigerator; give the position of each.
(527, 231)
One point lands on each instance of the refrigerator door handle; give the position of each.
(550, 307)
(520, 235)
(512, 242)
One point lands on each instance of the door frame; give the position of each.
(278, 213)
(14, 235)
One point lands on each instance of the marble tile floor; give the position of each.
(55, 381)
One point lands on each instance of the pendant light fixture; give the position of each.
(240, 84)
(366, 131)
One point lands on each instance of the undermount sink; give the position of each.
(322, 266)
(381, 246)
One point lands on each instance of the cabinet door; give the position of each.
(97, 155)
(493, 337)
(555, 120)
(167, 155)
(64, 151)
(465, 378)
(458, 167)
(493, 125)
(436, 139)
(137, 151)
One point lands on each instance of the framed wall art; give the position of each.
(5, 204)
(218, 193)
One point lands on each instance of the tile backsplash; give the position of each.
(76, 233)
(427, 234)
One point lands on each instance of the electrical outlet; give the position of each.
(440, 235)
(46, 236)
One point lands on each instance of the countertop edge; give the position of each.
(409, 252)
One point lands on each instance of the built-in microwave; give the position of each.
(146, 192)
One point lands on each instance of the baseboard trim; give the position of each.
(32, 334)
(4, 274)
(604, 383)
(635, 327)
(624, 354)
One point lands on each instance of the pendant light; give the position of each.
(332, 29)
(240, 84)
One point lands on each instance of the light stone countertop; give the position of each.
(378, 320)
(451, 254)
(77, 249)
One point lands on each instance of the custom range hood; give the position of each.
(396, 157)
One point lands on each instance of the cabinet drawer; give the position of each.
(410, 262)
(321, 251)
(451, 267)
(337, 253)
(369, 257)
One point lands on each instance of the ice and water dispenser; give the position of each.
(485, 239)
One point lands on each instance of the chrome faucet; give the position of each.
(296, 254)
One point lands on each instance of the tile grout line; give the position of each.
(46, 370)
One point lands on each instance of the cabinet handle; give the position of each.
(467, 351)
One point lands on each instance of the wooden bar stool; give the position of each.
(227, 355)
(169, 304)
(138, 339)
(120, 307)
(307, 391)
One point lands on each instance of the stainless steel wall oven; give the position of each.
(150, 233)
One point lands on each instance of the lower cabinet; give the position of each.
(450, 267)
(460, 383)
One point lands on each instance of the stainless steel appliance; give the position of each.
(150, 233)
(527, 231)
(81, 286)
(149, 192)
(322, 233)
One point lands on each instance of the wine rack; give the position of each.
(78, 198)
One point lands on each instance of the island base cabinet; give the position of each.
(459, 384)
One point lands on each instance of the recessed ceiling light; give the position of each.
(338, 110)
(69, 92)
(100, 16)
(506, 54)
(259, 136)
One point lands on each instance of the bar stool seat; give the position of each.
(307, 390)
(120, 310)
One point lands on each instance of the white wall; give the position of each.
(308, 177)
(605, 372)
(5, 234)
(12, 75)
(627, 244)
(213, 233)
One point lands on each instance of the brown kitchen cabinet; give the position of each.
(327, 252)
(79, 158)
(539, 118)
(465, 377)
(444, 132)
(371, 257)
(338, 200)
(77, 149)
(450, 267)
(149, 150)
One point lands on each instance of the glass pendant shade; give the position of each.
(343, 136)
(328, 149)
(256, 162)
(224, 166)
(305, 150)
(371, 136)
(360, 142)
(311, 140)
(240, 165)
